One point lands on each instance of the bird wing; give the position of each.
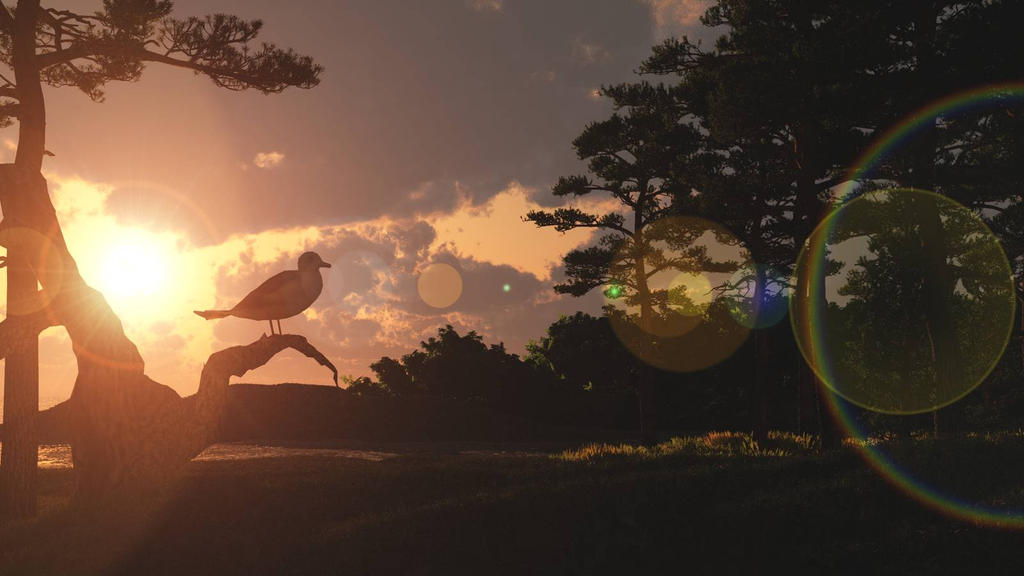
(269, 297)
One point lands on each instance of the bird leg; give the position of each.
(271, 327)
(279, 327)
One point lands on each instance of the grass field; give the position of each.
(711, 504)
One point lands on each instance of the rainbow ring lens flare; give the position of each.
(981, 494)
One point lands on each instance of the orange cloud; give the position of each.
(495, 232)
(669, 16)
(588, 53)
(485, 5)
(270, 159)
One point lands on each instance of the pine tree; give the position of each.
(632, 155)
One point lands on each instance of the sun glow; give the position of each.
(135, 269)
(145, 275)
(131, 270)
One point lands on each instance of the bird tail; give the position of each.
(211, 314)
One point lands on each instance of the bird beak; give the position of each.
(324, 264)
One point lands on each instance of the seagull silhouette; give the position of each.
(282, 296)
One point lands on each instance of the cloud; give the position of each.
(485, 5)
(494, 231)
(270, 159)
(150, 205)
(384, 172)
(588, 53)
(370, 305)
(358, 147)
(547, 76)
(671, 17)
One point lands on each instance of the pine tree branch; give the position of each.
(117, 44)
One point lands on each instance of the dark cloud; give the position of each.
(482, 287)
(421, 104)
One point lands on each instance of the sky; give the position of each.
(436, 126)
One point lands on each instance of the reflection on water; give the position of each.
(55, 456)
(58, 456)
(234, 451)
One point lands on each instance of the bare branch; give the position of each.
(238, 360)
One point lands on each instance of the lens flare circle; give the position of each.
(682, 326)
(908, 298)
(696, 288)
(45, 259)
(439, 285)
(989, 511)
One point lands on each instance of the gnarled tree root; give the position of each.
(129, 432)
(147, 439)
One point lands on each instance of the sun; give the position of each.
(134, 270)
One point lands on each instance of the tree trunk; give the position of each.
(937, 281)
(21, 370)
(21, 398)
(647, 389)
(648, 398)
(761, 356)
(760, 396)
(828, 430)
(811, 211)
(806, 407)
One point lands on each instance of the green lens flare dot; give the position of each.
(904, 301)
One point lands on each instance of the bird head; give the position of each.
(311, 260)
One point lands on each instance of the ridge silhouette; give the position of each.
(283, 295)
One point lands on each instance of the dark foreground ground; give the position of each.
(707, 505)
